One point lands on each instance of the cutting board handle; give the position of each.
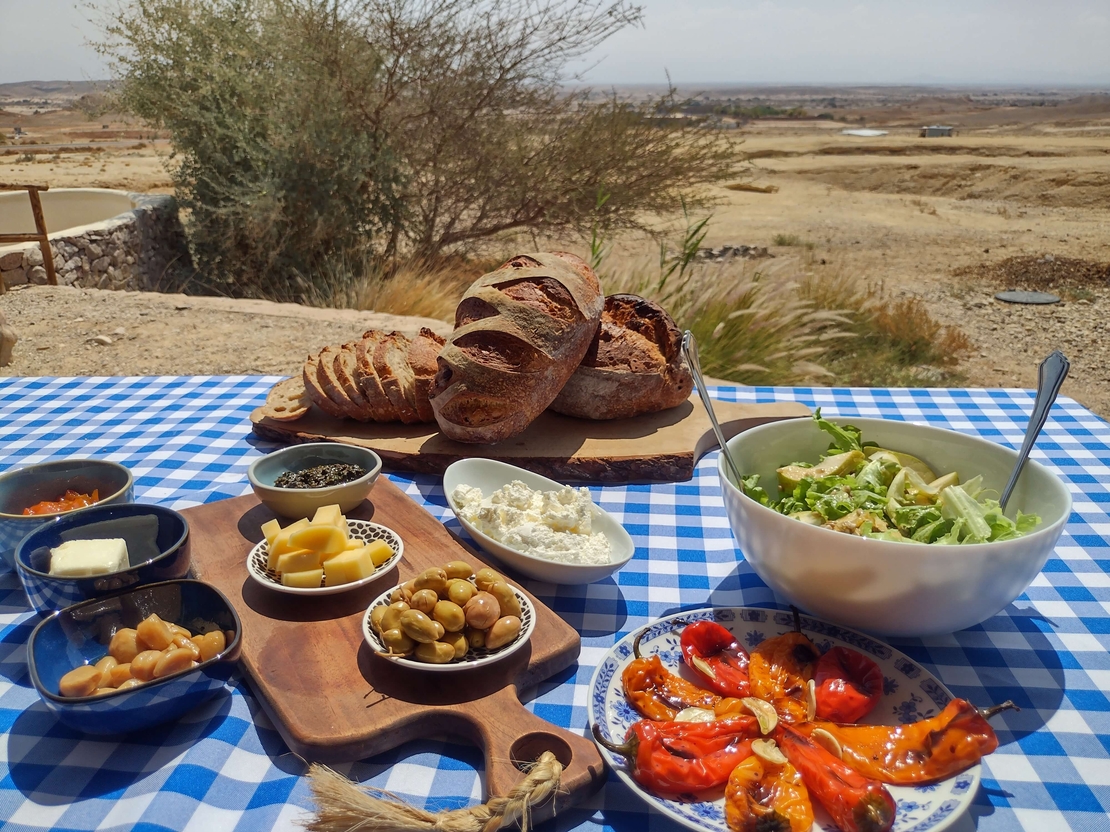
(517, 737)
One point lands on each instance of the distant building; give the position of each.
(937, 130)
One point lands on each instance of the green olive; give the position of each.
(460, 591)
(450, 615)
(407, 589)
(475, 638)
(506, 599)
(459, 642)
(419, 627)
(503, 632)
(424, 600)
(485, 578)
(459, 569)
(397, 595)
(391, 618)
(434, 652)
(434, 579)
(376, 616)
(397, 643)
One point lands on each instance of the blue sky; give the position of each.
(738, 41)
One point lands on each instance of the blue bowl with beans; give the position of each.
(78, 637)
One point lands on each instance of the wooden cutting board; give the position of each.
(658, 447)
(334, 700)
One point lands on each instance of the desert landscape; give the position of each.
(1018, 198)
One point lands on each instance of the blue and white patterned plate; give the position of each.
(910, 693)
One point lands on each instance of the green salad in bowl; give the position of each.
(862, 489)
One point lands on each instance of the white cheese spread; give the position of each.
(554, 525)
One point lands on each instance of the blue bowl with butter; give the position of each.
(24, 487)
(101, 550)
(82, 635)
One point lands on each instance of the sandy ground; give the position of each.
(914, 216)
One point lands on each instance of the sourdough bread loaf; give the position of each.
(392, 366)
(520, 333)
(423, 352)
(633, 365)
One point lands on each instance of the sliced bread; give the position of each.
(346, 373)
(311, 377)
(287, 401)
(423, 352)
(381, 408)
(325, 372)
(392, 366)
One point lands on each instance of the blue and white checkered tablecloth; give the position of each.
(188, 441)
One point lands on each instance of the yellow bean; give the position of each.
(119, 674)
(503, 632)
(211, 644)
(81, 681)
(105, 666)
(174, 661)
(506, 599)
(181, 631)
(154, 633)
(130, 683)
(103, 691)
(142, 666)
(186, 643)
(434, 652)
(124, 645)
(459, 569)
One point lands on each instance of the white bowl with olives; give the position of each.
(449, 618)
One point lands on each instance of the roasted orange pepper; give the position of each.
(684, 758)
(919, 752)
(764, 797)
(780, 668)
(855, 802)
(656, 693)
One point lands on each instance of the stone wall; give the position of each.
(141, 250)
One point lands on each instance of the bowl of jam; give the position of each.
(38, 494)
(297, 480)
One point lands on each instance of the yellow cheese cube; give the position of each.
(270, 529)
(298, 561)
(309, 579)
(327, 516)
(348, 566)
(354, 543)
(282, 542)
(380, 551)
(327, 540)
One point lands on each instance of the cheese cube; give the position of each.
(298, 561)
(270, 530)
(348, 566)
(79, 558)
(327, 516)
(353, 543)
(309, 579)
(282, 544)
(327, 540)
(380, 551)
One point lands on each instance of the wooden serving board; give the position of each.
(657, 447)
(334, 700)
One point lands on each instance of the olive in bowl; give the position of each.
(297, 480)
(28, 487)
(81, 636)
(157, 549)
(880, 585)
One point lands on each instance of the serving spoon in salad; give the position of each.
(1050, 375)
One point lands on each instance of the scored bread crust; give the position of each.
(422, 355)
(287, 401)
(311, 377)
(520, 333)
(633, 365)
(392, 366)
(381, 408)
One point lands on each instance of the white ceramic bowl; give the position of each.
(489, 475)
(897, 589)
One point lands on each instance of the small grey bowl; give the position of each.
(303, 502)
(24, 487)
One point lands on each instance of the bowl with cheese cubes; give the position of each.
(37, 494)
(137, 658)
(101, 550)
(297, 480)
(323, 555)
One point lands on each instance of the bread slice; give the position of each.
(287, 401)
(325, 372)
(381, 408)
(346, 373)
(392, 366)
(422, 355)
(311, 377)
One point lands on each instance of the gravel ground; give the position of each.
(88, 332)
(64, 332)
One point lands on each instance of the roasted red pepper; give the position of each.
(764, 797)
(855, 803)
(919, 752)
(779, 670)
(678, 758)
(849, 685)
(714, 654)
(656, 693)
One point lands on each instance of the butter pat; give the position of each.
(80, 558)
